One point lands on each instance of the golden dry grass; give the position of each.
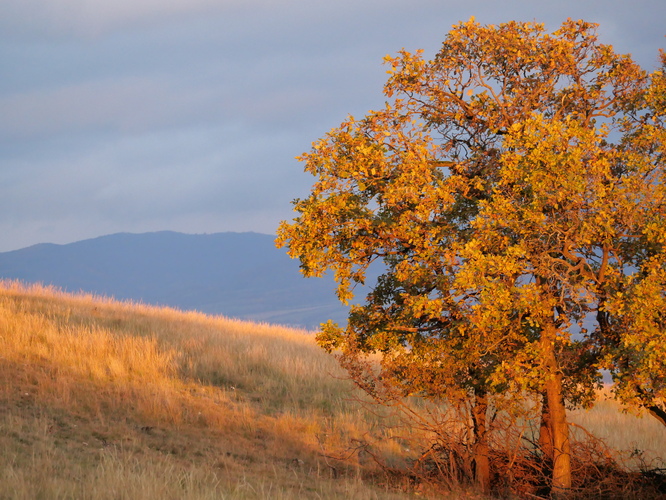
(637, 438)
(104, 399)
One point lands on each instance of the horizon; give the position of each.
(237, 274)
(136, 234)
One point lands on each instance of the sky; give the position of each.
(186, 115)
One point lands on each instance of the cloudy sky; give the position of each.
(145, 115)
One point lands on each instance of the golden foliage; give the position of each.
(513, 189)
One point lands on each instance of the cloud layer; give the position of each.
(186, 115)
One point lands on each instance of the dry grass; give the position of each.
(105, 399)
(637, 438)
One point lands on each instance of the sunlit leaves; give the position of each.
(513, 191)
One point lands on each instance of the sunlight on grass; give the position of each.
(635, 436)
(122, 396)
(106, 399)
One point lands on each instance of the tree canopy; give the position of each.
(513, 192)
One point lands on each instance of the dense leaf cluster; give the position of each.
(513, 189)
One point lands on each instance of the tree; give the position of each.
(512, 190)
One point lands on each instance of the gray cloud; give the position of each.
(145, 115)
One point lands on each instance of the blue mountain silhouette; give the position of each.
(239, 275)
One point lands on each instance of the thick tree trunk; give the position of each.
(545, 432)
(560, 436)
(481, 448)
(559, 427)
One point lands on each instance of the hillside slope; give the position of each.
(100, 399)
(239, 275)
(106, 400)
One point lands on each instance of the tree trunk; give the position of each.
(560, 437)
(545, 431)
(559, 427)
(481, 448)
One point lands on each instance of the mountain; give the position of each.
(238, 275)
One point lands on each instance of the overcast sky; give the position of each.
(146, 115)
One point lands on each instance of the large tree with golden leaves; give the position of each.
(512, 192)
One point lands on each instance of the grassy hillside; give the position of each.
(101, 399)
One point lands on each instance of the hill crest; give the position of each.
(239, 275)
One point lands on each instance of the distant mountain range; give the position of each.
(239, 275)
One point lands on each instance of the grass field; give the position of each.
(102, 399)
